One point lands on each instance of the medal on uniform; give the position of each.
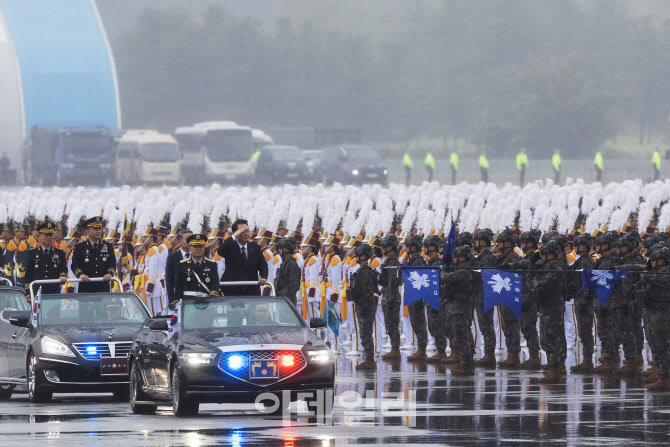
(86, 260)
(188, 279)
(206, 279)
(104, 259)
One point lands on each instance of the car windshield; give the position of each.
(362, 153)
(229, 145)
(91, 309)
(13, 300)
(239, 313)
(160, 152)
(285, 154)
(85, 144)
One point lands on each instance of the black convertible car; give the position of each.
(230, 350)
(77, 343)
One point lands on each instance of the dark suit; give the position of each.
(171, 267)
(93, 263)
(237, 270)
(49, 265)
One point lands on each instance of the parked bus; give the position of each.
(218, 150)
(146, 156)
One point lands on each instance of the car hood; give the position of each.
(92, 333)
(214, 338)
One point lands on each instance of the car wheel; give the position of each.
(6, 391)
(135, 393)
(121, 394)
(181, 405)
(35, 392)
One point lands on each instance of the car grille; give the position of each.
(118, 349)
(243, 373)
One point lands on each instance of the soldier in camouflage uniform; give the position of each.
(417, 309)
(548, 290)
(528, 323)
(437, 324)
(507, 241)
(586, 303)
(615, 319)
(390, 282)
(457, 300)
(485, 259)
(287, 282)
(656, 300)
(631, 260)
(364, 293)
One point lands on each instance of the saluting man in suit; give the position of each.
(244, 261)
(93, 258)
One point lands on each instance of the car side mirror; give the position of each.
(19, 318)
(342, 156)
(317, 323)
(159, 325)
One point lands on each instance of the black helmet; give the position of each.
(485, 235)
(561, 240)
(432, 241)
(363, 250)
(610, 239)
(654, 239)
(287, 243)
(414, 241)
(463, 251)
(660, 253)
(390, 241)
(549, 248)
(583, 239)
(508, 235)
(464, 238)
(529, 236)
(657, 246)
(635, 236)
(628, 241)
(546, 237)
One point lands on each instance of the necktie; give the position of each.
(244, 255)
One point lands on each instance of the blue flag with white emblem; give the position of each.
(502, 288)
(422, 284)
(602, 282)
(449, 246)
(332, 319)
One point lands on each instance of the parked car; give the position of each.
(77, 343)
(281, 164)
(228, 350)
(352, 163)
(312, 159)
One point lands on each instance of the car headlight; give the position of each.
(54, 347)
(386, 172)
(321, 356)
(67, 165)
(198, 358)
(354, 172)
(105, 166)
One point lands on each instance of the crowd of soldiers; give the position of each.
(360, 275)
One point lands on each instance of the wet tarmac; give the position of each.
(400, 404)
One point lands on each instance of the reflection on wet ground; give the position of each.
(401, 404)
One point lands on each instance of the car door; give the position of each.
(6, 329)
(18, 339)
(161, 359)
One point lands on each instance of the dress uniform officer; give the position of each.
(93, 258)
(196, 276)
(46, 261)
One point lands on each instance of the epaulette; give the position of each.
(210, 260)
(184, 260)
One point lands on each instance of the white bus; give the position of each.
(225, 150)
(260, 139)
(146, 156)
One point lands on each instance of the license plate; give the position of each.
(291, 164)
(372, 175)
(264, 369)
(114, 366)
(292, 175)
(230, 176)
